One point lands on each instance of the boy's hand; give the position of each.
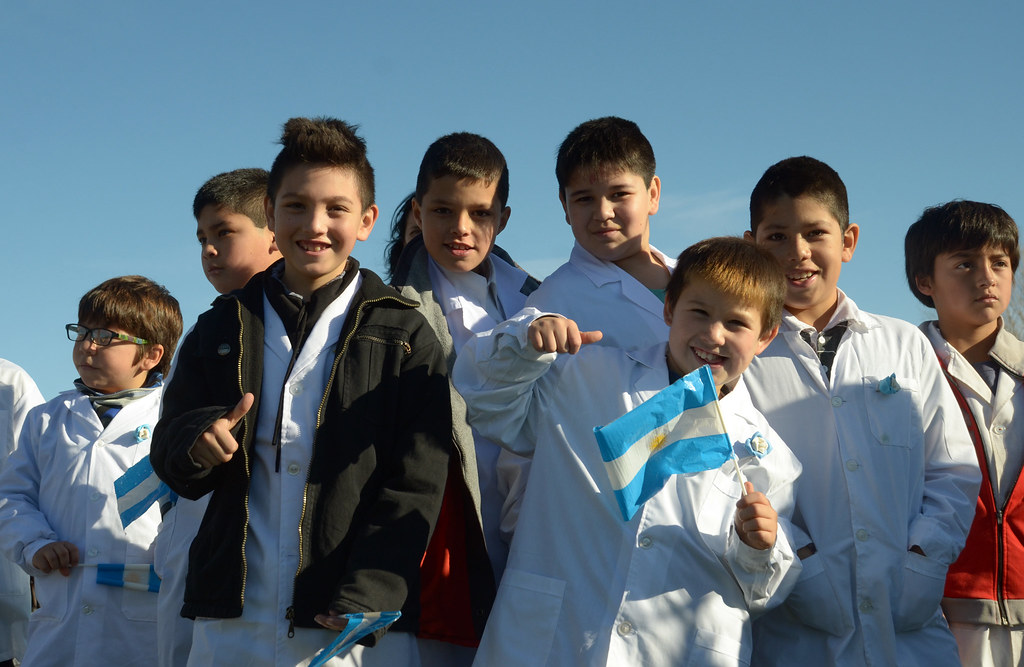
(559, 334)
(757, 522)
(56, 556)
(216, 445)
(332, 620)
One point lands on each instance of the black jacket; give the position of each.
(379, 464)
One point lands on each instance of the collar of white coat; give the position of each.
(455, 290)
(1007, 351)
(601, 272)
(846, 311)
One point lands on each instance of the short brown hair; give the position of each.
(463, 155)
(602, 144)
(139, 306)
(323, 141)
(951, 227)
(737, 267)
(239, 191)
(800, 177)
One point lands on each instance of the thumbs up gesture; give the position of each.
(216, 445)
(553, 333)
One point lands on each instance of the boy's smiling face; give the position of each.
(317, 217)
(234, 249)
(609, 210)
(811, 247)
(114, 367)
(971, 289)
(710, 327)
(459, 220)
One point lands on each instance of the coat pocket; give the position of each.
(893, 417)
(52, 594)
(921, 594)
(814, 601)
(522, 625)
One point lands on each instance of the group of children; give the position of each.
(334, 445)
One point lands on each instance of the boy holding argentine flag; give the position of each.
(677, 580)
(61, 515)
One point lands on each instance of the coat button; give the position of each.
(223, 349)
(836, 401)
(625, 628)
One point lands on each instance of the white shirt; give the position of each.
(59, 485)
(599, 295)
(883, 472)
(583, 586)
(18, 394)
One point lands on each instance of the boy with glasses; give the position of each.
(59, 511)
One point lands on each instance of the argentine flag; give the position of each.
(136, 577)
(678, 430)
(359, 625)
(137, 489)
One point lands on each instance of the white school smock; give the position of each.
(59, 486)
(882, 473)
(583, 586)
(18, 394)
(599, 295)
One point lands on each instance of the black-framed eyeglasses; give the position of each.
(101, 337)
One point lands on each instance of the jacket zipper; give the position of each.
(290, 612)
(245, 455)
(1000, 566)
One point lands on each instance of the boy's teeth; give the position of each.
(707, 356)
(801, 276)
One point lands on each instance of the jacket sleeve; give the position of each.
(24, 529)
(186, 412)
(497, 373)
(951, 474)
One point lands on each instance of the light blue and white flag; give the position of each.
(136, 577)
(359, 625)
(678, 430)
(137, 489)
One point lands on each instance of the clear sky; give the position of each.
(114, 113)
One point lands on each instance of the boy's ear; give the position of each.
(565, 207)
(749, 236)
(268, 209)
(417, 214)
(766, 340)
(367, 222)
(924, 285)
(151, 356)
(850, 237)
(655, 195)
(668, 313)
(505, 213)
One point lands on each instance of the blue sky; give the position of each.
(115, 113)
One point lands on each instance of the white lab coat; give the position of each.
(584, 587)
(883, 472)
(18, 394)
(59, 485)
(599, 295)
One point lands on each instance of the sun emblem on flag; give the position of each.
(657, 442)
(142, 433)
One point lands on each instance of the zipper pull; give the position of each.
(290, 615)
